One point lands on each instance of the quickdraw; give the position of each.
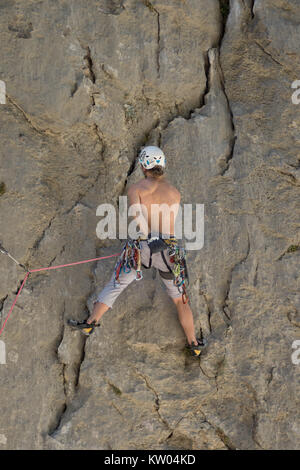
(178, 257)
(130, 258)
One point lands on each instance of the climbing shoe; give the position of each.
(85, 328)
(196, 349)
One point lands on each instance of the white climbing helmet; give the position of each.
(152, 156)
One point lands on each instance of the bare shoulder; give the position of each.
(134, 193)
(140, 186)
(134, 188)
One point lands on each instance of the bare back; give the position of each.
(159, 203)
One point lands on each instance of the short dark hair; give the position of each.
(156, 171)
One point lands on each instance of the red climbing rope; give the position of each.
(47, 269)
(72, 264)
(14, 303)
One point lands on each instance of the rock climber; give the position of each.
(157, 203)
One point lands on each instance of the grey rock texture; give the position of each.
(87, 84)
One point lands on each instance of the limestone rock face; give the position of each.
(89, 83)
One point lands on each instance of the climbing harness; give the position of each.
(85, 328)
(130, 258)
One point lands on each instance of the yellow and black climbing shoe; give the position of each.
(85, 328)
(196, 349)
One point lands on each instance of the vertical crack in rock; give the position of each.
(225, 313)
(89, 64)
(252, 3)
(77, 375)
(254, 430)
(154, 10)
(58, 254)
(231, 153)
(118, 410)
(225, 10)
(100, 137)
(63, 407)
(225, 307)
(270, 375)
(18, 288)
(174, 428)
(53, 430)
(1, 308)
(2, 302)
(209, 312)
(67, 384)
(255, 275)
(207, 71)
(70, 378)
(208, 308)
(157, 399)
(129, 172)
(220, 433)
(209, 377)
(249, 5)
(224, 438)
(160, 129)
(213, 66)
(42, 236)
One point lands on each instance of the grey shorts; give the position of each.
(160, 261)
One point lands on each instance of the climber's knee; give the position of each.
(177, 300)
